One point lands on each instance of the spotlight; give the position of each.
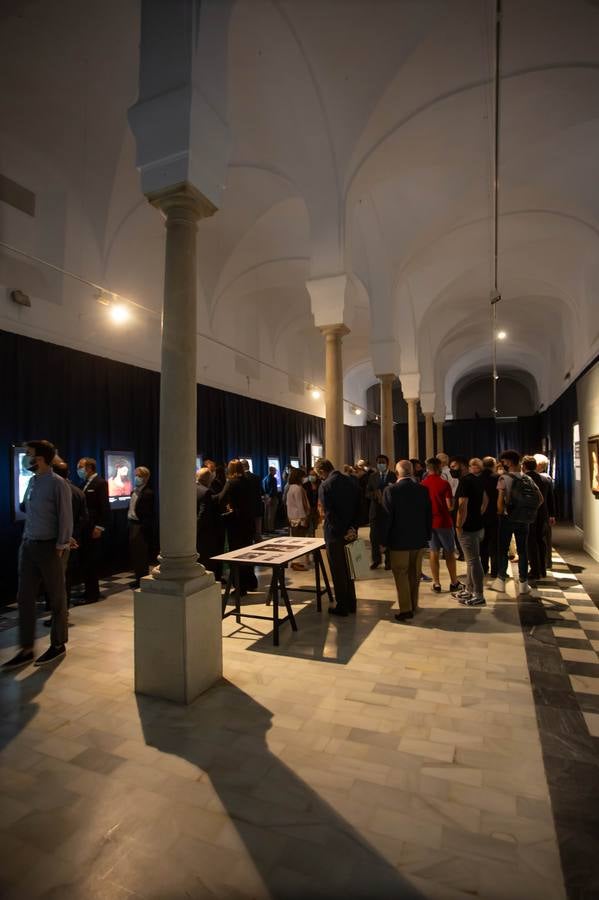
(119, 313)
(315, 393)
(357, 411)
(501, 335)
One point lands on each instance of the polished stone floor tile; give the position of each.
(361, 758)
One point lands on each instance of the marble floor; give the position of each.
(363, 758)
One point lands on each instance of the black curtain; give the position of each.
(557, 424)
(86, 404)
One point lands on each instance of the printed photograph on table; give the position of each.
(119, 468)
(593, 445)
(20, 478)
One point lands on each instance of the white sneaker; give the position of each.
(498, 585)
(525, 588)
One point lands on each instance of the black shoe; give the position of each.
(23, 658)
(337, 611)
(374, 565)
(457, 586)
(402, 616)
(85, 601)
(51, 654)
(437, 588)
(387, 567)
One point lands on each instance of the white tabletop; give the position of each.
(275, 552)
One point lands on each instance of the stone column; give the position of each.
(430, 435)
(387, 440)
(334, 442)
(178, 637)
(412, 428)
(440, 447)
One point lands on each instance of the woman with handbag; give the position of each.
(298, 512)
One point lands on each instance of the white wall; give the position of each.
(587, 390)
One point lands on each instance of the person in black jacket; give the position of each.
(340, 500)
(98, 508)
(210, 523)
(237, 503)
(256, 486)
(377, 482)
(488, 545)
(537, 532)
(406, 532)
(140, 520)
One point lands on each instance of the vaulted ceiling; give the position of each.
(361, 137)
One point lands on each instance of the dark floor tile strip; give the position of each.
(569, 752)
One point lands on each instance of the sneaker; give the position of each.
(51, 654)
(498, 585)
(473, 601)
(525, 588)
(374, 566)
(23, 658)
(437, 588)
(457, 586)
(424, 577)
(461, 595)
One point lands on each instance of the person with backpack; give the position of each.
(518, 500)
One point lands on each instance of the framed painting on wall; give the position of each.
(593, 445)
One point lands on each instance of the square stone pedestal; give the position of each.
(177, 638)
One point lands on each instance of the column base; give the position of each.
(177, 638)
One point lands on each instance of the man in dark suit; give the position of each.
(80, 520)
(340, 500)
(98, 508)
(210, 523)
(140, 519)
(407, 531)
(377, 482)
(256, 486)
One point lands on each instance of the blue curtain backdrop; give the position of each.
(87, 404)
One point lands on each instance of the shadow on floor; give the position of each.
(299, 845)
(324, 637)
(17, 706)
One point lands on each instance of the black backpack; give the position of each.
(524, 500)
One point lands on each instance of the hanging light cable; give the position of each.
(495, 295)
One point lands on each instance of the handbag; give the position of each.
(357, 560)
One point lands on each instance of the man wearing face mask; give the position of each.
(377, 482)
(46, 537)
(98, 508)
(140, 520)
(458, 468)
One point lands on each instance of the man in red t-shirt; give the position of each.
(442, 538)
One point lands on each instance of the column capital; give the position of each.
(386, 378)
(410, 385)
(427, 402)
(182, 202)
(334, 330)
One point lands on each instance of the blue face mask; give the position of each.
(382, 467)
(82, 474)
(139, 481)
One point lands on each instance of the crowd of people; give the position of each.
(483, 511)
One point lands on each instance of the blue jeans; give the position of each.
(507, 528)
(470, 541)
